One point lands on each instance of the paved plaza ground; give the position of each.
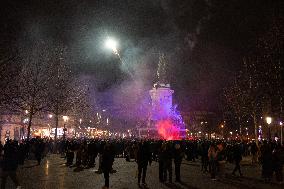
(53, 174)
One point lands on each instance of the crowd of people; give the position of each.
(84, 153)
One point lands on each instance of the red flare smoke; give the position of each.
(167, 130)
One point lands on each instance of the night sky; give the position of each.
(204, 41)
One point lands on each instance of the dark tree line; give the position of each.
(40, 80)
(258, 87)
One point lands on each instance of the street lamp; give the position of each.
(281, 132)
(269, 121)
(222, 130)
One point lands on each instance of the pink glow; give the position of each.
(167, 130)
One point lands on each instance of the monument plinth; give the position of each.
(161, 97)
(164, 120)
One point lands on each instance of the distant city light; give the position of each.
(26, 120)
(268, 120)
(65, 118)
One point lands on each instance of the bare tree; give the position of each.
(258, 88)
(27, 91)
(59, 84)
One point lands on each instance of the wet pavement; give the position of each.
(53, 174)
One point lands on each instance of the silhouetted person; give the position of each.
(254, 150)
(204, 157)
(39, 148)
(143, 158)
(10, 163)
(70, 154)
(237, 156)
(161, 157)
(92, 152)
(266, 159)
(168, 169)
(22, 153)
(178, 155)
(277, 159)
(107, 161)
(212, 156)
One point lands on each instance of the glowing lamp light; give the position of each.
(50, 115)
(268, 120)
(65, 118)
(26, 120)
(280, 123)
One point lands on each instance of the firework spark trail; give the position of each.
(115, 51)
(112, 44)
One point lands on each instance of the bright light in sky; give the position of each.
(112, 44)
